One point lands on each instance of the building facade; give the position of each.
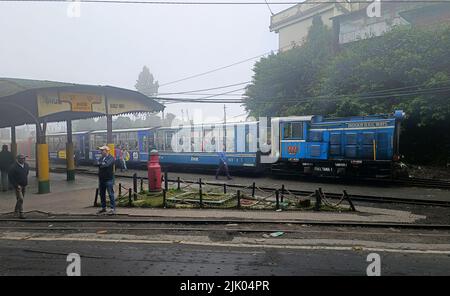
(360, 25)
(292, 24)
(354, 21)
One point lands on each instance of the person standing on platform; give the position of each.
(223, 163)
(106, 180)
(124, 157)
(6, 161)
(18, 177)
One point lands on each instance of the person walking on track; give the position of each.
(223, 164)
(6, 161)
(18, 177)
(106, 180)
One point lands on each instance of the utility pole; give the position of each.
(224, 114)
(224, 126)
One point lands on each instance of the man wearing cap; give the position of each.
(6, 160)
(106, 179)
(18, 177)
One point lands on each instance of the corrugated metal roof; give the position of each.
(12, 86)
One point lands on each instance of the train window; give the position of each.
(97, 141)
(230, 138)
(184, 134)
(130, 141)
(209, 140)
(196, 140)
(159, 143)
(144, 143)
(293, 130)
(56, 143)
(252, 136)
(297, 130)
(168, 141)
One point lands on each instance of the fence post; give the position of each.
(96, 197)
(178, 183)
(166, 181)
(164, 198)
(201, 197)
(282, 193)
(142, 184)
(318, 201)
(120, 189)
(129, 197)
(321, 192)
(347, 197)
(277, 196)
(200, 183)
(135, 186)
(253, 189)
(238, 199)
(224, 188)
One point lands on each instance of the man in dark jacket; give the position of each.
(6, 160)
(18, 177)
(106, 180)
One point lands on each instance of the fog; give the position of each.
(108, 44)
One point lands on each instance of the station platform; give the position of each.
(77, 198)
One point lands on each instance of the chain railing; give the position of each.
(200, 194)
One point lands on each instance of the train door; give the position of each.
(85, 147)
(168, 135)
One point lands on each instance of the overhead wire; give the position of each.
(241, 3)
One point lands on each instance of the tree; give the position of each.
(146, 84)
(407, 68)
(283, 79)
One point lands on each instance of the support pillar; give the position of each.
(13, 142)
(44, 170)
(70, 161)
(38, 137)
(109, 135)
(43, 167)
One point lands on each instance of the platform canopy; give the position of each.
(24, 101)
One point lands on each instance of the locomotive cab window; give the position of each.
(293, 130)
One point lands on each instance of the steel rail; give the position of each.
(205, 229)
(200, 221)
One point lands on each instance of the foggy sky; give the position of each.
(109, 44)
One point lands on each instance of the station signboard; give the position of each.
(52, 102)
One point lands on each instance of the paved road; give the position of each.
(100, 258)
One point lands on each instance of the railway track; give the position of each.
(236, 224)
(422, 182)
(410, 182)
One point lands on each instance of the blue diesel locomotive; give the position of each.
(310, 145)
(366, 145)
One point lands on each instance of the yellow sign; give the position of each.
(80, 102)
(62, 154)
(50, 103)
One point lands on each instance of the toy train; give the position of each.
(310, 145)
